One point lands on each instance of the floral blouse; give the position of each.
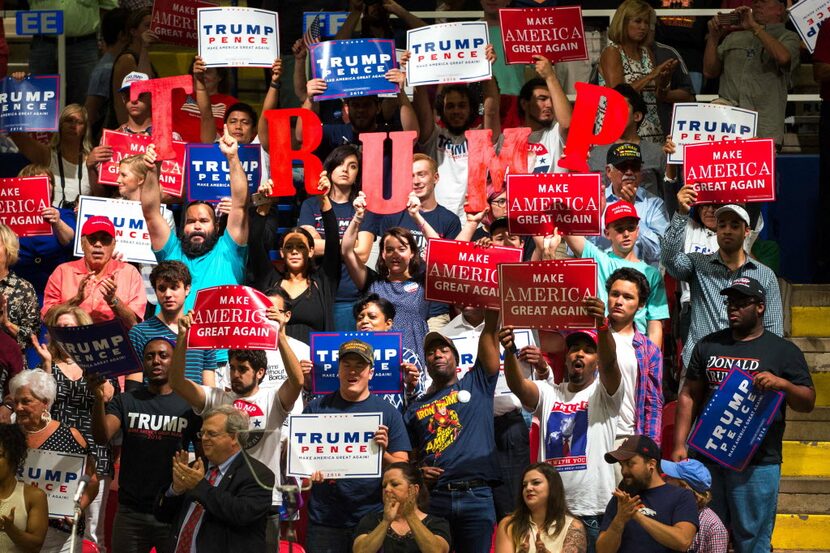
(23, 308)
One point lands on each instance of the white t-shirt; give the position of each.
(451, 153)
(627, 362)
(576, 431)
(545, 148)
(266, 419)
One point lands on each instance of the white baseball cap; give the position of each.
(132, 77)
(737, 210)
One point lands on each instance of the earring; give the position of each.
(46, 417)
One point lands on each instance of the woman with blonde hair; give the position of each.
(69, 154)
(629, 59)
(18, 301)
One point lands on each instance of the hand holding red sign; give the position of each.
(732, 171)
(539, 203)
(23, 202)
(556, 33)
(547, 294)
(122, 145)
(231, 317)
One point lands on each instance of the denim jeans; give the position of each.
(746, 502)
(343, 317)
(328, 539)
(591, 531)
(136, 532)
(471, 514)
(513, 453)
(81, 58)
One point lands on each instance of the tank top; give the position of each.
(17, 502)
(552, 543)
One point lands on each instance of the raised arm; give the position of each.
(291, 388)
(356, 267)
(104, 426)
(411, 21)
(712, 64)
(492, 100)
(489, 355)
(271, 101)
(151, 202)
(207, 126)
(413, 207)
(237, 227)
(409, 120)
(525, 390)
(191, 392)
(677, 262)
(561, 105)
(424, 113)
(314, 87)
(609, 370)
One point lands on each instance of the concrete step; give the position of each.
(813, 426)
(810, 295)
(801, 533)
(810, 321)
(804, 495)
(816, 350)
(806, 458)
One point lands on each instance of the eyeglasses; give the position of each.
(212, 434)
(501, 202)
(740, 303)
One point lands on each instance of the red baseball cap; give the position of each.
(98, 223)
(620, 210)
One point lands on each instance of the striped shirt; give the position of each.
(196, 360)
(707, 276)
(649, 398)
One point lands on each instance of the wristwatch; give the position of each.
(114, 302)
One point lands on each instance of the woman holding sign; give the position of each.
(18, 301)
(402, 527)
(24, 514)
(34, 394)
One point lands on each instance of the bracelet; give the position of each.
(276, 85)
(114, 302)
(668, 180)
(603, 326)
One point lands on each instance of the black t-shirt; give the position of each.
(666, 504)
(153, 427)
(394, 543)
(714, 356)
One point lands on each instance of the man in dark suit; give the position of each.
(221, 507)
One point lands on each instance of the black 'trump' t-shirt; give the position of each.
(714, 356)
(153, 427)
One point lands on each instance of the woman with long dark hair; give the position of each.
(24, 514)
(403, 526)
(541, 522)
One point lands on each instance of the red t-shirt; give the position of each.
(822, 54)
(186, 114)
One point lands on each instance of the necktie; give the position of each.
(189, 527)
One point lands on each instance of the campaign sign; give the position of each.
(132, 239)
(330, 22)
(171, 178)
(693, 123)
(208, 178)
(408, 89)
(807, 16)
(30, 105)
(345, 449)
(238, 37)
(174, 21)
(555, 33)
(541, 202)
(463, 273)
(734, 422)
(467, 345)
(353, 67)
(231, 317)
(57, 474)
(448, 53)
(387, 377)
(734, 171)
(547, 294)
(101, 348)
(21, 202)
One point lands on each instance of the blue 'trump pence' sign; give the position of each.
(387, 377)
(353, 67)
(30, 105)
(207, 171)
(734, 422)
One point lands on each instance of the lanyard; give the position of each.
(64, 203)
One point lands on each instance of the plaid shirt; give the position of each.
(711, 536)
(707, 275)
(649, 387)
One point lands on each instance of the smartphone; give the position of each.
(732, 19)
(258, 199)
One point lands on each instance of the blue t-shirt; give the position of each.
(196, 360)
(668, 504)
(411, 309)
(342, 503)
(310, 215)
(223, 265)
(453, 429)
(656, 307)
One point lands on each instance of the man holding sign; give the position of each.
(337, 506)
(747, 499)
(267, 409)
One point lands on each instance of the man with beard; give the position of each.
(457, 108)
(452, 432)
(213, 259)
(646, 515)
(623, 169)
(583, 405)
(708, 274)
(267, 409)
(154, 424)
(171, 282)
(745, 500)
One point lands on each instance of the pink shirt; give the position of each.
(64, 281)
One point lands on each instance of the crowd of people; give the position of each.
(548, 441)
